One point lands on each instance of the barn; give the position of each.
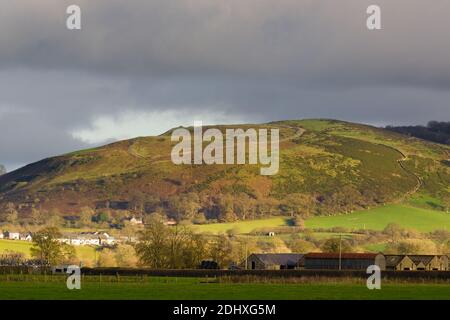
(273, 261)
(344, 261)
(417, 262)
(399, 262)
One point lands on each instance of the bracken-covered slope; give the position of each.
(326, 167)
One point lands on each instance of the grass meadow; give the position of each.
(83, 252)
(171, 288)
(420, 219)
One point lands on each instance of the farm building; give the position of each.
(416, 262)
(399, 262)
(347, 261)
(273, 261)
(26, 236)
(429, 262)
(12, 235)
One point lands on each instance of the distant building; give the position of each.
(399, 262)
(347, 261)
(136, 221)
(71, 221)
(26, 236)
(417, 262)
(12, 235)
(171, 222)
(89, 239)
(273, 261)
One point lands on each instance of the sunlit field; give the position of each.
(95, 287)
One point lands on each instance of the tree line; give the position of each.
(434, 131)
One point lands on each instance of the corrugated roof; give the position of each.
(332, 255)
(282, 259)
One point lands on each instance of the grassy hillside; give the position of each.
(326, 167)
(377, 219)
(423, 220)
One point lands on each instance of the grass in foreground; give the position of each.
(200, 289)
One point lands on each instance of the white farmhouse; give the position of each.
(12, 235)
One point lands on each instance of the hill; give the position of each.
(326, 167)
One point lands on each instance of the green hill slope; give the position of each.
(326, 167)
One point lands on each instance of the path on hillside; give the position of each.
(299, 132)
(408, 171)
(418, 178)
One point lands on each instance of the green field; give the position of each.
(15, 245)
(373, 219)
(83, 252)
(376, 219)
(241, 226)
(199, 289)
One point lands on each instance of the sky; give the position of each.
(141, 67)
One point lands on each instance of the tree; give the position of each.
(336, 245)
(441, 236)
(226, 208)
(104, 216)
(302, 246)
(10, 213)
(152, 246)
(125, 256)
(37, 217)
(161, 247)
(46, 246)
(298, 204)
(298, 222)
(2, 169)
(107, 258)
(412, 246)
(86, 215)
(185, 206)
(221, 250)
(446, 202)
(194, 250)
(393, 230)
(54, 220)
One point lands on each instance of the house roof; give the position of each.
(332, 255)
(282, 259)
(394, 259)
(425, 259)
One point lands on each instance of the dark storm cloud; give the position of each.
(252, 60)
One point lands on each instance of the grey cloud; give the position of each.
(253, 59)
